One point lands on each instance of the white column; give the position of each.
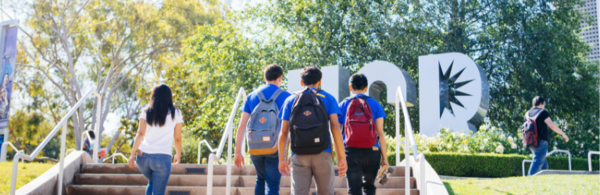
(4, 145)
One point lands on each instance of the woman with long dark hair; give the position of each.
(160, 124)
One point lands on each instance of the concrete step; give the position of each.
(201, 180)
(186, 169)
(127, 190)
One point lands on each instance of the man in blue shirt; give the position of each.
(363, 163)
(265, 165)
(320, 166)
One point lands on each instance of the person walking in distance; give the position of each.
(260, 121)
(542, 122)
(364, 139)
(307, 116)
(160, 124)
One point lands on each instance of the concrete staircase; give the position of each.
(190, 179)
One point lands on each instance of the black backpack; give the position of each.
(309, 123)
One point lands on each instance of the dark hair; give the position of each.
(161, 104)
(538, 100)
(92, 135)
(310, 75)
(358, 81)
(273, 71)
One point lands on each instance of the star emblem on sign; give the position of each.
(307, 113)
(449, 89)
(262, 120)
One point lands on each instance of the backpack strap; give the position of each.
(261, 96)
(536, 116)
(276, 94)
(364, 97)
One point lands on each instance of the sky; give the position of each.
(240, 4)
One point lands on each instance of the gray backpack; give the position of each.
(264, 125)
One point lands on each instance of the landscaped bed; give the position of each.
(27, 172)
(546, 184)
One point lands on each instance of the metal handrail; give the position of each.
(590, 158)
(200, 149)
(62, 124)
(227, 136)
(549, 153)
(116, 155)
(409, 142)
(14, 148)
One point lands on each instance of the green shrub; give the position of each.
(491, 165)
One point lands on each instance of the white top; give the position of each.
(159, 140)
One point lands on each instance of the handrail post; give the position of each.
(398, 129)
(61, 167)
(407, 164)
(229, 148)
(209, 179)
(13, 178)
(423, 186)
(97, 130)
(590, 159)
(569, 160)
(523, 166)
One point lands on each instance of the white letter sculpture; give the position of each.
(453, 91)
(378, 73)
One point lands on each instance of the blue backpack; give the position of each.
(263, 126)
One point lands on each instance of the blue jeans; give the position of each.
(267, 169)
(539, 158)
(157, 169)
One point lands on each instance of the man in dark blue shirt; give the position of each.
(265, 165)
(306, 166)
(363, 163)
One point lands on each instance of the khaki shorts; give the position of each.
(304, 167)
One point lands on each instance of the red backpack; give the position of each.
(530, 131)
(360, 127)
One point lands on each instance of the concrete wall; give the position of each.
(47, 182)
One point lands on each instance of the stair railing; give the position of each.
(118, 154)
(409, 142)
(200, 149)
(3, 158)
(62, 124)
(590, 159)
(227, 137)
(549, 153)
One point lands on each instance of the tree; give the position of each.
(525, 47)
(209, 81)
(54, 43)
(107, 43)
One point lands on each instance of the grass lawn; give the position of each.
(547, 184)
(27, 172)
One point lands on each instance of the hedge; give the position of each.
(492, 165)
